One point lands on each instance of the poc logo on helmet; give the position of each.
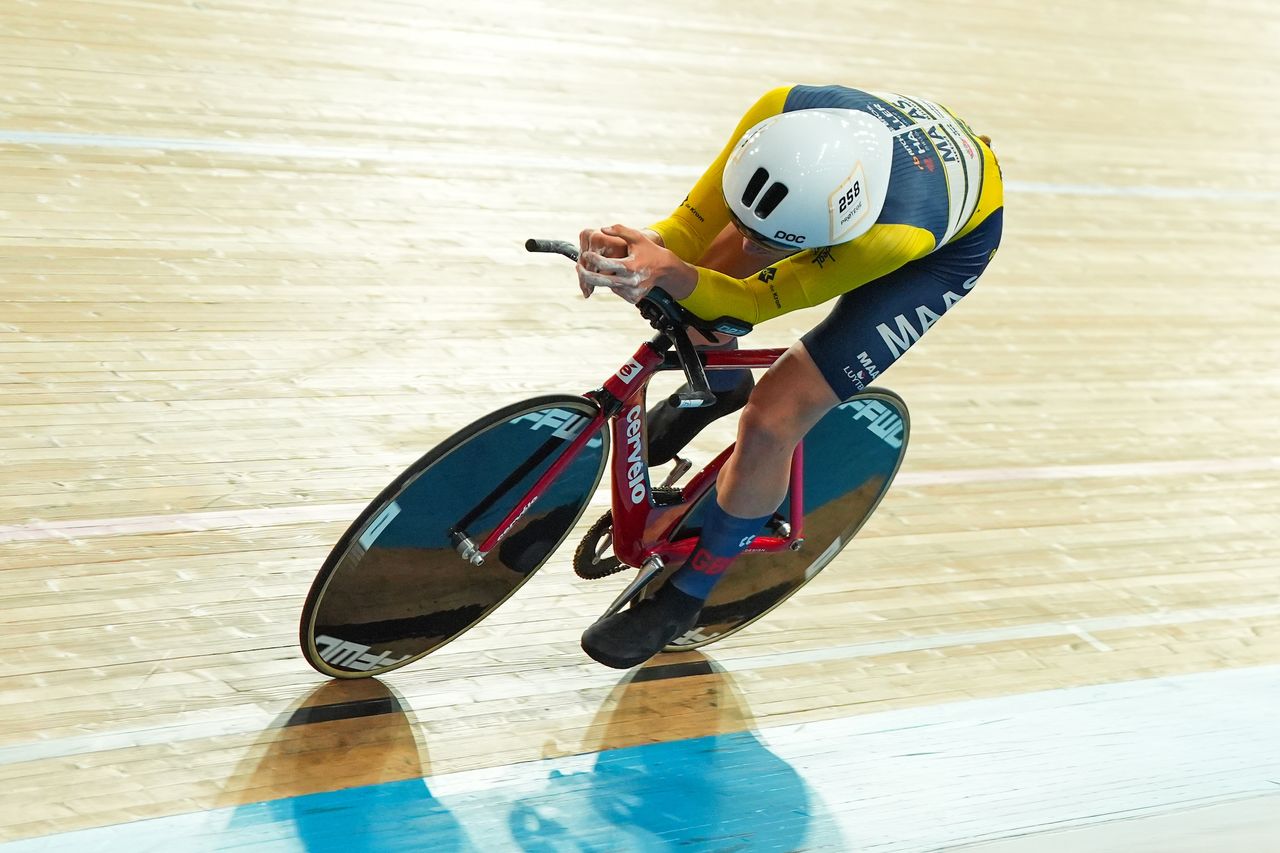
(790, 238)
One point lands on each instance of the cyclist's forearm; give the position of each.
(718, 295)
(677, 278)
(685, 238)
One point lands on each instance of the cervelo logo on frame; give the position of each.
(353, 655)
(635, 469)
(629, 371)
(562, 423)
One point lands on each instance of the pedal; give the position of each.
(667, 497)
(681, 468)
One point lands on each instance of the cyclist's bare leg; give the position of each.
(788, 400)
(791, 397)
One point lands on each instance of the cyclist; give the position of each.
(890, 203)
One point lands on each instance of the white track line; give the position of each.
(487, 159)
(186, 522)
(73, 529)
(1256, 464)
(218, 722)
(913, 780)
(1082, 629)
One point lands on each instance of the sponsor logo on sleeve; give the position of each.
(696, 215)
(821, 256)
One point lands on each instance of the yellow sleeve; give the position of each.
(702, 215)
(809, 278)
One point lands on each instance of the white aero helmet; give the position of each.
(809, 178)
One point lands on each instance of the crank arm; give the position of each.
(652, 568)
(682, 467)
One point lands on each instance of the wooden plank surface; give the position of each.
(257, 257)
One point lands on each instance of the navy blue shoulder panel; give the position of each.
(917, 193)
(828, 98)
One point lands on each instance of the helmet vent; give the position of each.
(754, 186)
(772, 198)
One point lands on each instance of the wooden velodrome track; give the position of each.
(255, 257)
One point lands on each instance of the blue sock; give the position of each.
(725, 380)
(723, 538)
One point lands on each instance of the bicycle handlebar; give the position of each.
(552, 247)
(665, 315)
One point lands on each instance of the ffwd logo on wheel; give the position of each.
(882, 421)
(349, 655)
(563, 424)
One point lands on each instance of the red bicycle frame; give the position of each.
(641, 526)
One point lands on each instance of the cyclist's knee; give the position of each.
(789, 399)
(773, 422)
(764, 427)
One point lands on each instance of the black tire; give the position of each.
(851, 458)
(394, 589)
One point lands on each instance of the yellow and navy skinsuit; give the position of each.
(939, 227)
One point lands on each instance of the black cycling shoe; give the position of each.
(670, 429)
(632, 636)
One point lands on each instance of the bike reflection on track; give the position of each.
(626, 791)
(343, 739)
(716, 792)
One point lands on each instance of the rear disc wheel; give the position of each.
(850, 459)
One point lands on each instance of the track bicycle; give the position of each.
(468, 524)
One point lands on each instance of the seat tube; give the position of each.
(797, 492)
(629, 467)
(630, 480)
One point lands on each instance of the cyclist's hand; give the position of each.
(594, 245)
(644, 265)
(607, 245)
